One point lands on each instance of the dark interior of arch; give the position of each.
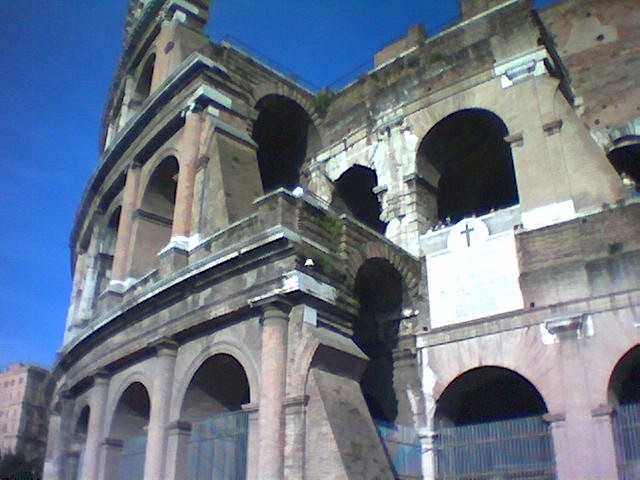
(82, 425)
(378, 287)
(488, 394)
(625, 380)
(132, 413)
(111, 234)
(143, 87)
(219, 385)
(474, 164)
(160, 194)
(281, 132)
(354, 195)
(626, 159)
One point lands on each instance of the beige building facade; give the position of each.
(431, 273)
(23, 410)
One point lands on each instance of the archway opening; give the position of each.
(213, 404)
(143, 85)
(624, 389)
(283, 131)
(354, 195)
(129, 433)
(155, 216)
(467, 161)
(378, 287)
(108, 249)
(490, 420)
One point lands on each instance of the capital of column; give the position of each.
(180, 426)
(272, 305)
(165, 347)
(602, 411)
(101, 377)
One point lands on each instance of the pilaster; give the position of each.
(95, 430)
(122, 255)
(156, 452)
(275, 322)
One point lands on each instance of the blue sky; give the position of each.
(58, 59)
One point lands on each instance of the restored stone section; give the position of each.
(342, 441)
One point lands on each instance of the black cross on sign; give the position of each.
(467, 232)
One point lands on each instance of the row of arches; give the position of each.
(212, 406)
(495, 403)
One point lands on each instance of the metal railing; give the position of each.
(626, 428)
(510, 449)
(218, 448)
(403, 449)
(133, 454)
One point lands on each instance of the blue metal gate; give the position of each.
(133, 454)
(218, 448)
(626, 427)
(403, 449)
(510, 449)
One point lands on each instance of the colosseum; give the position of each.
(430, 273)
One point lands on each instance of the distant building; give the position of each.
(23, 410)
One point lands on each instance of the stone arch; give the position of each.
(500, 394)
(624, 382)
(624, 393)
(408, 267)
(144, 79)
(128, 431)
(492, 409)
(354, 194)
(213, 402)
(466, 160)
(239, 353)
(154, 217)
(117, 388)
(285, 133)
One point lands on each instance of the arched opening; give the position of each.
(108, 249)
(283, 131)
(78, 443)
(354, 195)
(128, 433)
(143, 85)
(154, 218)
(213, 404)
(625, 158)
(490, 422)
(378, 287)
(624, 389)
(465, 158)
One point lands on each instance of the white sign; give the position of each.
(475, 276)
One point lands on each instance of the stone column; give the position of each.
(605, 448)
(179, 433)
(111, 459)
(95, 429)
(51, 469)
(428, 450)
(253, 438)
(155, 457)
(272, 392)
(190, 147)
(121, 256)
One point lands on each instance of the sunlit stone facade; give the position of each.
(433, 272)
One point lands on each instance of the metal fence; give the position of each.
(510, 449)
(133, 450)
(403, 449)
(626, 428)
(218, 448)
